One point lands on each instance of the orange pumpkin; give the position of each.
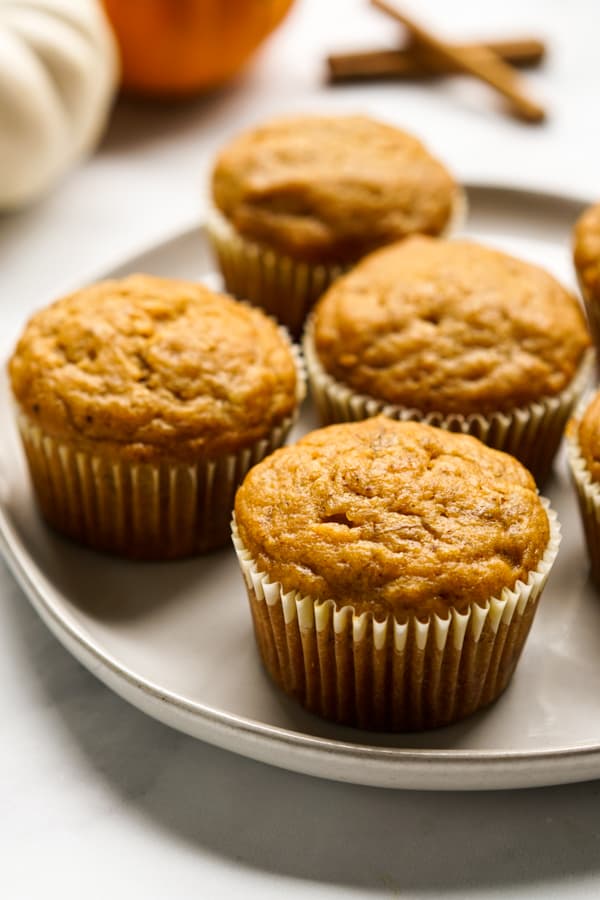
(176, 47)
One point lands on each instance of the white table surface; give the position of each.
(96, 800)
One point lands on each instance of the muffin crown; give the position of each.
(586, 250)
(330, 189)
(149, 366)
(450, 327)
(392, 517)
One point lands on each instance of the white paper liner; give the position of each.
(531, 433)
(391, 675)
(588, 497)
(286, 288)
(140, 510)
(143, 510)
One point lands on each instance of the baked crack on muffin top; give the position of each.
(331, 188)
(450, 327)
(392, 517)
(147, 367)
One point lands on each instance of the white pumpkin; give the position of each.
(58, 75)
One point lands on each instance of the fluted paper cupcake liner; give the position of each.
(140, 510)
(286, 288)
(391, 675)
(588, 498)
(531, 433)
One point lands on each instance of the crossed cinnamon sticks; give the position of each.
(428, 55)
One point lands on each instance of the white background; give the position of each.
(95, 799)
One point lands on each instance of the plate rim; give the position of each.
(268, 743)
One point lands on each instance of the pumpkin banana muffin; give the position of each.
(299, 199)
(457, 335)
(393, 570)
(141, 405)
(586, 256)
(583, 447)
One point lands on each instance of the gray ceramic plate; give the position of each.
(175, 639)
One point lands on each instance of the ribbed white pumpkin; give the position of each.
(58, 74)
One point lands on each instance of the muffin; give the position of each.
(455, 335)
(586, 256)
(583, 453)
(300, 199)
(393, 570)
(141, 405)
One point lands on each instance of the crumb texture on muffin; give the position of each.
(586, 250)
(392, 517)
(145, 367)
(330, 189)
(450, 327)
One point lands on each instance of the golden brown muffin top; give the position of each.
(151, 368)
(450, 326)
(331, 188)
(392, 517)
(588, 433)
(586, 250)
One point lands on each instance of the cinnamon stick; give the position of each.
(415, 61)
(479, 62)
